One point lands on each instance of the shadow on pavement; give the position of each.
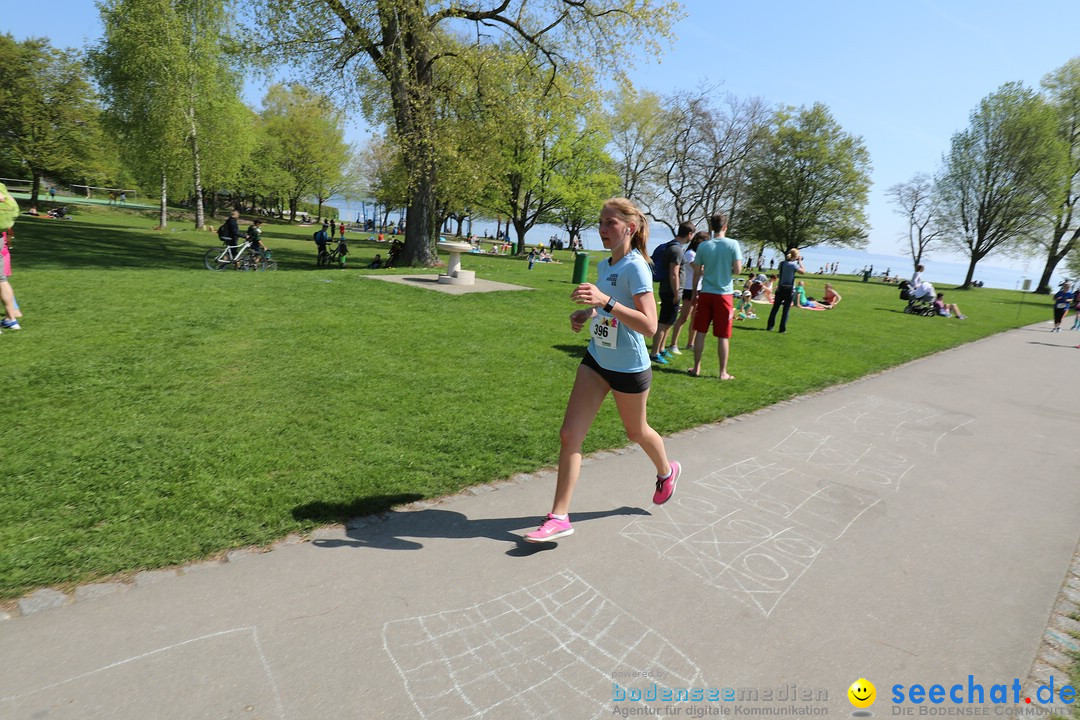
(391, 534)
(1039, 342)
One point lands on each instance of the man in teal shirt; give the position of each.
(716, 264)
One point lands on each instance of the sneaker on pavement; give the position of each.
(665, 487)
(551, 529)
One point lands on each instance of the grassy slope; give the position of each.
(158, 412)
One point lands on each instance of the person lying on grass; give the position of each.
(804, 302)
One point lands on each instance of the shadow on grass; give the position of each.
(71, 244)
(577, 351)
(75, 244)
(391, 534)
(323, 512)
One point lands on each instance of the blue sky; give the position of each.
(902, 75)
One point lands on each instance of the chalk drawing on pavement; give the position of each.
(182, 674)
(754, 527)
(547, 650)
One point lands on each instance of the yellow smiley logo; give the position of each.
(862, 693)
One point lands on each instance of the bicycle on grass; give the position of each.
(329, 258)
(240, 257)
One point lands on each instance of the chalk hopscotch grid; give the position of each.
(753, 528)
(544, 651)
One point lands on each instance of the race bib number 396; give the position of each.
(605, 331)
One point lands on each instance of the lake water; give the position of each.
(944, 273)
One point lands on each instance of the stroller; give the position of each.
(916, 305)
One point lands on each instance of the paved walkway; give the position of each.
(913, 527)
(83, 200)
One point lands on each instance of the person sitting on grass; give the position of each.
(375, 264)
(766, 295)
(746, 307)
(947, 309)
(831, 299)
(757, 287)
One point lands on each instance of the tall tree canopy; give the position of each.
(914, 200)
(997, 177)
(405, 43)
(808, 185)
(48, 112)
(535, 122)
(310, 135)
(1060, 234)
(169, 73)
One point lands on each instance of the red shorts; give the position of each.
(716, 309)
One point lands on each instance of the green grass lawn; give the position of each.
(157, 412)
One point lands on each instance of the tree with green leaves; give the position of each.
(260, 181)
(342, 178)
(808, 184)
(1072, 262)
(310, 135)
(228, 139)
(48, 112)
(914, 200)
(637, 124)
(998, 174)
(169, 73)
(1061, 232)
(132, 65)
(536, 121)
(404, 45)
(385, 177)
(587, 178)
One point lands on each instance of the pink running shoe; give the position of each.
(552, 529)
(665, 487)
